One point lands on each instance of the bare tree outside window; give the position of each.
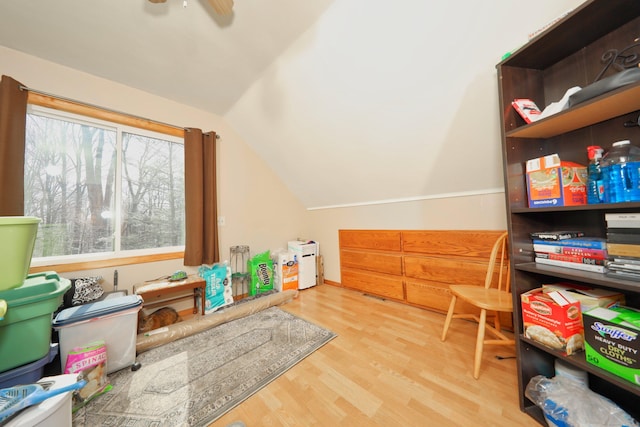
(152, 178)
(71, 172)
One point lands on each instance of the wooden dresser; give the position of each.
(415, 266)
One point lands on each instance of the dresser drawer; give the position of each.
(382, 240)
(434, 295)
(445, 270)
(371, 261)
(453, 243)
(373, 283)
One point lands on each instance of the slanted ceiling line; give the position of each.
(412, 199)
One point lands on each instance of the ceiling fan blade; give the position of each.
(222, 7)
(158, 1)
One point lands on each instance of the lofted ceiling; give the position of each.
(187, 54)
(349, 102)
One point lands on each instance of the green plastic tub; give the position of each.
(25, 331)
(18, 237)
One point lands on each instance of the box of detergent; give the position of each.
(552, 182)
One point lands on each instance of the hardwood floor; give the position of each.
(387, 367)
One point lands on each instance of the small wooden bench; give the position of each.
(194, 284)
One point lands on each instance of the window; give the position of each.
(102, 189)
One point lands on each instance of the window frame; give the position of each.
(103, 260)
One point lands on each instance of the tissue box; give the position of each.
(552, 182)
(611, 341)
(553, 319)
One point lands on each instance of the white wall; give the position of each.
(259, 210)
(384, 100)
(392, 108)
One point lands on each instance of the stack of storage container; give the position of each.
(27, 304)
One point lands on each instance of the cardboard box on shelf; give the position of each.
(552, 182)
(589, 298)
(553, 319)
(611, 341)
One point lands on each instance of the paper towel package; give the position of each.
(286, 271)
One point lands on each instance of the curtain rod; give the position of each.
(39, 92)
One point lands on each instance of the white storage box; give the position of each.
(52, 412)
(114, 321)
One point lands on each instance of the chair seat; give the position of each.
(489, 299)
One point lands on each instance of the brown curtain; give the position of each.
(201, 241)
(13, 117)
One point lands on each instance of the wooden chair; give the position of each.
(494, 298)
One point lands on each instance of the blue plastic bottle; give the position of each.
(595, 186)
(620, 171)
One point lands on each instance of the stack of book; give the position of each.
(623, 244)
(570, 249)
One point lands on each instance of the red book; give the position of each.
(571, 258)
(527, 109)
(570, 250)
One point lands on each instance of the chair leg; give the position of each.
(447, 321)
(496, 322)
(479, 343)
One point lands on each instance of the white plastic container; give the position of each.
(53, 412)
(115, 321)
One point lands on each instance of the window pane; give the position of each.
(69, 185)
(152, 193)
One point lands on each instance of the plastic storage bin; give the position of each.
(114, 321)
(29, 373)
(53, 412)
(25, 331)
(18, 237)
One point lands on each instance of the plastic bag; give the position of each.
(218, 290)
(90, 363)
(261, 270)
(566, 403)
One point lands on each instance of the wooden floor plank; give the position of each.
(387, 368)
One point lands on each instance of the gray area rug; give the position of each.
(195, 380)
